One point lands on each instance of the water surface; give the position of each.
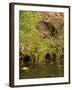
(43, 70)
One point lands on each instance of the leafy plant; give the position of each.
(32, 43)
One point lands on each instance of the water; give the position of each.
(43, 70)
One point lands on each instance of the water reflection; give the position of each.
(44, 70)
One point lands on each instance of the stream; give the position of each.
(44, 70)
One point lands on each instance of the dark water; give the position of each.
(41, 70)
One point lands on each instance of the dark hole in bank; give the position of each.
(47, 57)
(27, 59)
(50, 57)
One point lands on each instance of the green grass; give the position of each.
(32, 43)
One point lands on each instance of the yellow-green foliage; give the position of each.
(30, 40)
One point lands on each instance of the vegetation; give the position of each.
(41, 36)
